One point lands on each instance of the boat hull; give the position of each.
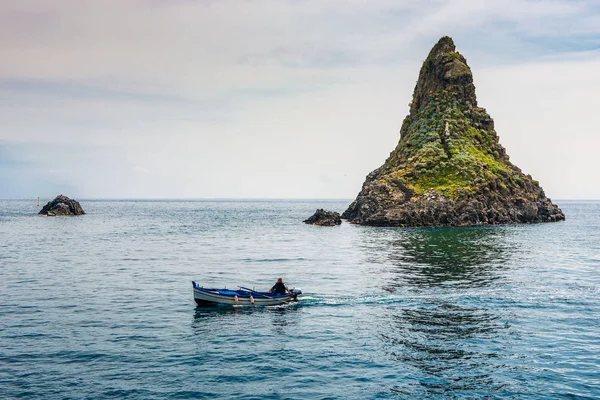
(206, 297)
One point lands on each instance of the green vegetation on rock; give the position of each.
(444, 147)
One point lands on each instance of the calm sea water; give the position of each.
(100, 306)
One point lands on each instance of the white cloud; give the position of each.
(279, 99)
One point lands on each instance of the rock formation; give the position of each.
(448, 168)
(324, 218)
(62, 205)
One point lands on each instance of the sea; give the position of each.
(100, 306)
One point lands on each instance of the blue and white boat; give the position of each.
(243, 296)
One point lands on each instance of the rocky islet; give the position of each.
(62, 205)
(449, 168)
(324, 218)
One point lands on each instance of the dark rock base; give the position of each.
(324, 218)
(435, 209)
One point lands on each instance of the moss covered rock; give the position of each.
(449, 168)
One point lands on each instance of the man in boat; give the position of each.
(280, 288)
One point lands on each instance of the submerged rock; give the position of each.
(449, 168)
(324, 218)
(62, 205)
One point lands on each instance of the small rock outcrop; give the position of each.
(324, 218)
(449, 168)
(62, 205)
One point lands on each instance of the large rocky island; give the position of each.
(448, 168)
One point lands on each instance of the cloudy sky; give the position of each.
(278, 99)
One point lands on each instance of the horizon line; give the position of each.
(224, 199)
(186, 199)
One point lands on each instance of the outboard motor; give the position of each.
(295, 293)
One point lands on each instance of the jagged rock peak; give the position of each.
(444, 46)
(445, 74)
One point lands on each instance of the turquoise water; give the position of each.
(100, 306)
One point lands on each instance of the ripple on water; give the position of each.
(502, 312)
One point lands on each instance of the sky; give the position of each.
(278, 99)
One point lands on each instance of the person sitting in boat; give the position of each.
(280, 288)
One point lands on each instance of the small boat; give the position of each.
(243, 296)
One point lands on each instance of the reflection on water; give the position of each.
(210, 320)
(447, 344)
(462, 257)
(446, 340)
(284, 319)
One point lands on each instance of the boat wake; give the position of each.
(322, 301)
(309, 300)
